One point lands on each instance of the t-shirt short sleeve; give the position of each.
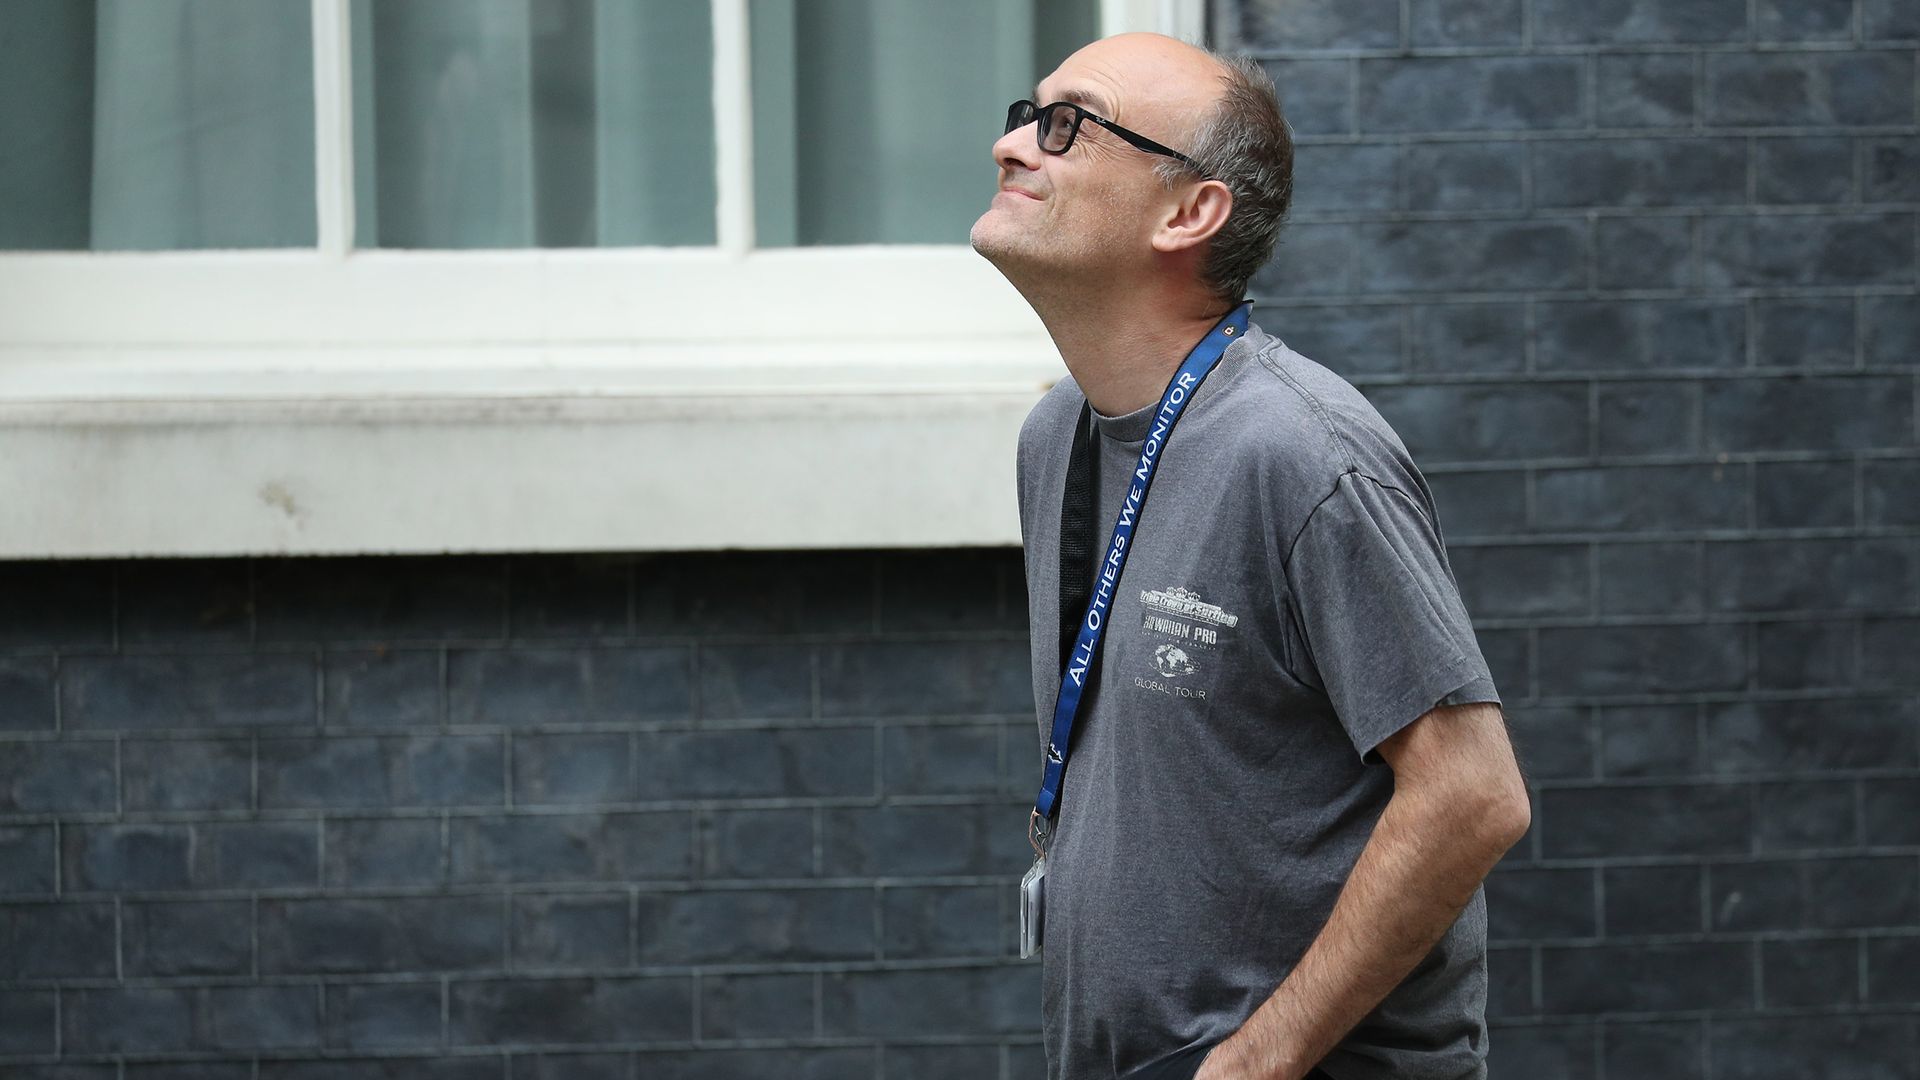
(1376, 608)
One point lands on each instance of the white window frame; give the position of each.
(336, 399)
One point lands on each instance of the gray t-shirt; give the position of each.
(1286, 606)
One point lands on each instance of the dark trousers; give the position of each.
(1183, 1064)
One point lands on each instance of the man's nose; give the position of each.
(1017, 148)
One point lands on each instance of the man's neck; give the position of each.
(1123, 345)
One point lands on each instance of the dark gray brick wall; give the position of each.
(1636, 280)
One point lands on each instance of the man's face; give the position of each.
(1093, 209)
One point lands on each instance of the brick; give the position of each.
(382, 600)
(912, 678)
(756, 843)
(1354, 341)
(1794, 736)
(1312, 259)
(1893, 970)
(1482, 93)
(950, 1001)
(1027, 1060)
(1509, 982)
(56, 605)
(1804, 333)
(1890, 330)
(1624, 498)
(524, 687)
(1891, 810)
(570, 1011)
(1558, 1050)
(133, 857)
(756, 682)
(1816, 169)
(99, 693)
(400, 1068)
(571, 596)
(1671, 1050)
(940, 760)
(1803, 20)
(45, 777)
(756, 1006)
(952, 590)
(1664, 22)
(1319, 24)
(1803, 494)
(1652, 899)
(378, 1016)
(26, 859)
(1890, 653)
(583, 932)
(1644, 253)
(1526, 904)
(399, 934)
(1430, 256)
(1888, 20)
(1815, 894)
(1509, 656)
(1482, 422)
(1465, 22)
(1891, 164)
(131, 1019)
(1463, 176)
(57, 941)
(260, 1017)
(1806, 655)
(371, 852)
(1649, 417)
(735, 926)
(1645, 978)
(1344, 176)
(1651, 740)
(189, 1070)
(800, 1064)
(185, 600)
(1807, 249)
(569, 1067)
(1523, 579)
(1635, 90)
(1648, 579)
(27, 1024)
(1458, 338)
(922, 922)
(913, 1062)
(572, 769)
(1804, 815)
(1809, 575)
(1809, 413)
(1640, 172)
(187, 774)
(1641, 336)
(26, 693)
(571, 847)
(335, 772)
(1891, 491)
(255, 855)
(1812, 1045)
(742, 592)
(381, 688)
(746, 764)
(1480, 503)
(189, 937)
(1552, 743)
(1763, 89)
(1820, 972)
(110, 1072)
(1694, 819)
(923, 841)
(1316, 95)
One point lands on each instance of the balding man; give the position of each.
(1275, 769)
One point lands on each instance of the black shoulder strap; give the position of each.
(1076, 535)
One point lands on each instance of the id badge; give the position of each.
(1033, 898)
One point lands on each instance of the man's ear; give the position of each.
(1202, 211)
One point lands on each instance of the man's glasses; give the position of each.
(1059, 123)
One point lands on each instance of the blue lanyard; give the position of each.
(1093, 624)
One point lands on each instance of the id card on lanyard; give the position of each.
(1080, 661)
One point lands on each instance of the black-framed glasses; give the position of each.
(1057, 125)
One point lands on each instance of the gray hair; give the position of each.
(1246, 144)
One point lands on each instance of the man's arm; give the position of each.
(1458, 804)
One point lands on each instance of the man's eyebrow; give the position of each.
(1085, 98)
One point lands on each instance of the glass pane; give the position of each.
(873, 119)
(533, 123)
(156, 124)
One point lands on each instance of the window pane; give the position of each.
(533, 123)
(873, 119)
(156, 124)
